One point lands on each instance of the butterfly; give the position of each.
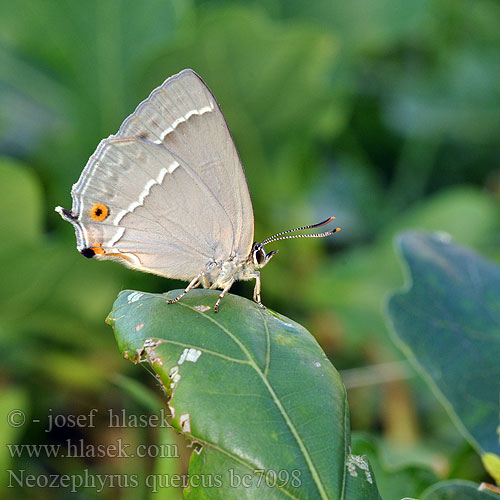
(168, 195)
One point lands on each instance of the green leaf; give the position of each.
(491, 463)
(457, 490)
(447, 322)
(360, 479)
(251, 388)
(394, 480)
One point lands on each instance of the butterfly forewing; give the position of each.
(184, 116)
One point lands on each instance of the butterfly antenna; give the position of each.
(279, 236)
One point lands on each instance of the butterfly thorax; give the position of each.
(236, 268)
(220, 274)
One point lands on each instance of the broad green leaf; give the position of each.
(251, 388)
(393, 481)
(457, 490)
(447, 321)
(360, 481)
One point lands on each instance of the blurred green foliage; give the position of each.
(380, 112)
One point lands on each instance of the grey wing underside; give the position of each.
(174, 184)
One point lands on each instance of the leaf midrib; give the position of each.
(277, 402)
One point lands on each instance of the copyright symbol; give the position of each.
(16, 418)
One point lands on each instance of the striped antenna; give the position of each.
(278, 236)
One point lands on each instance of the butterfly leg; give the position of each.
(194, 283)
(226, 289)
(256, 290)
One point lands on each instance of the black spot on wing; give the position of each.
(87, 252)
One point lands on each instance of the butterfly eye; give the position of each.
(99, 212)
(259, 255)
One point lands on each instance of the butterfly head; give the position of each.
(259, 256)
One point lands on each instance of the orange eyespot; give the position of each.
(99, 212)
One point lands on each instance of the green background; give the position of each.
(380, 112)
